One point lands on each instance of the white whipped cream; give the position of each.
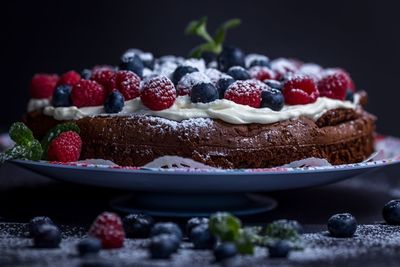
(36, 104)
(222, 109)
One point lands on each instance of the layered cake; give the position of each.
(228, 111)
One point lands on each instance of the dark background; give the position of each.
(56, 36)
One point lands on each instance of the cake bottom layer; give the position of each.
(340, 136)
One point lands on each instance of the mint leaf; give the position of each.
(225, 226)
(198, 50)
(244, 242)
(36, 150)
(16, 152)
(199, 28)
(21, 134)
(283, 229)
(55, 132)
(220, 34)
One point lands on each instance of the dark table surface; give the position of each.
(73, 207)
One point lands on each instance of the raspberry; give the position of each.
(261, 73)
(333, 85)
(127, 82)
(88, 93)
(300, 90)
(104, 77)
(42, 85)
(158, 93)
(245, 93)
(350, 84)
(108, 228)
(69, 78)
(283, 67)
(65, 148)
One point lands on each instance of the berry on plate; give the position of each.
(114, 102)
(333, 85)
(158, 93)
(186, 83)
(391, 212)
(238, 73)
(69, 78)
(65, 148)
(261, 73)
(245, 93)
(229, 57)
(342, 225)
(350, 83)
(86, 74)
(42, 85)
(223, 84)
(274, 84)
(181, 71)
(202, 238)
(204, 93)
(127, 82)
(88, 93)
(272, 98)
(104, 77)
(300, 90)
(36, 222)
(48, 236)
(163, 246)
(62, 96)
(138, 225)
(252, 60)
(132, 62)
(108, 228)
(225, 251)
(89, 245)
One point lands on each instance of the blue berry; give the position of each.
(342, 225)
(138, 225)
(86, 74)
(163, 245)
(89, 245)
(260, 62)
(195, 221)
(62, 96)
(238, 73)
(166, 228)
(132, 62)
(36, 222)
(229, 57)
(202, 238)
(350, 96)
(223, 84)
(48, 236)
(225, 251)
(274, 84)
(279, 249)
(272, 98)
(114, 102)
(204, 93)
(182, 71)
(391, 212)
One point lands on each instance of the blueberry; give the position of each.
(133, 63)
(114, 102)
(166, 228)
(272, 98)
(238, 73)
(48, 236)
(163, 245)
(86, 74)
(62, 96)
(225, 251)
(223, 84)
(350, 96)
(260, 62)
(182, 71)
(279, 249)
(202, 238)
(208, 56)
(274, 84)
(89, 245)
(229, 57)
(342, 225)
(36, 222)
(391, 212)
(204, 93)
(195, 221)
(138, 225)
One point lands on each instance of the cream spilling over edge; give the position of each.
(222, 109)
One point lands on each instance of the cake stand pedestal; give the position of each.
(191, 205)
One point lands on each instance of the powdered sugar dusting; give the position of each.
(187, 82)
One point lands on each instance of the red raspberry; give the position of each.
(333, 85)
(350, 84)
(69, 78)
(127, 82)
(87, 93)
(300, 90)
(158, 93)
(104, 77)
(42, 85)
(284, 66)
(261, 73)
(108, 228)
(65, 148)
(245, 93)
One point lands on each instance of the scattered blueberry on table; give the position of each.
(195, 221)
(36, 222)
(279, 249)
(162, 246)
(137, 225)
(225, 251)
(391, 212)
(89, 245)
(47, 236)
(166, 228)
(342, 225)
(202, 238)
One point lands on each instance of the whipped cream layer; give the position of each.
(36, 104)
(222, 109)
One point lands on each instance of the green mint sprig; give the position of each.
(26, 146)
(213, 43)
(55, 132)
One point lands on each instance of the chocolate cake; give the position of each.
(255, 115)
